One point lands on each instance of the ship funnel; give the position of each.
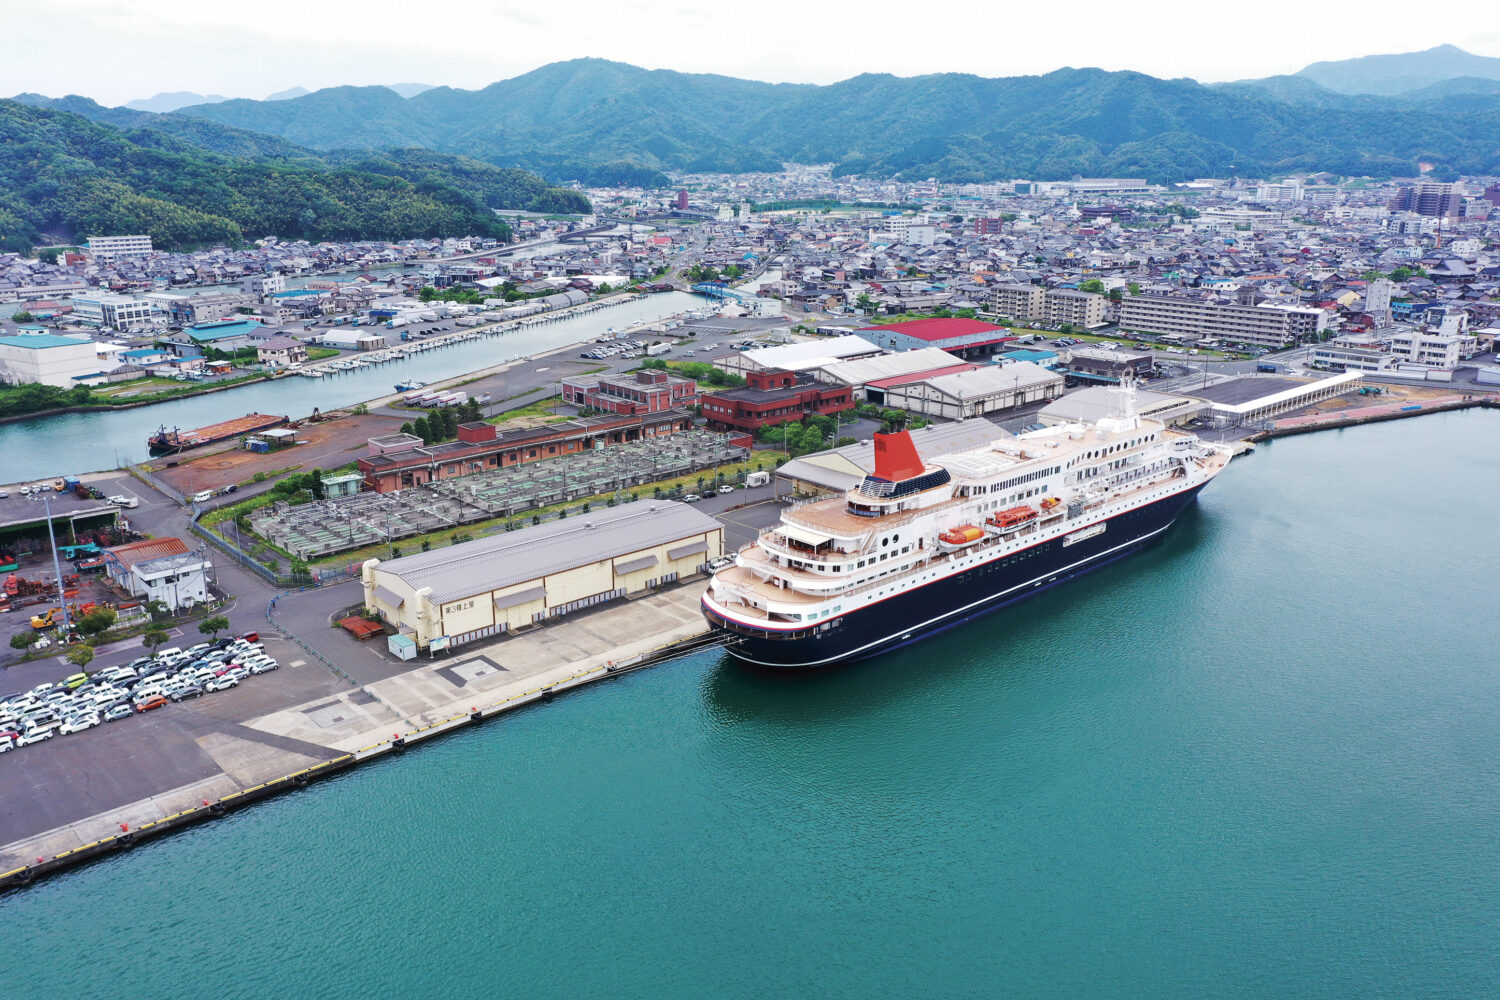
(896, 457)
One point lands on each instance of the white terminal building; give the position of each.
(514, 580)
(118, 311)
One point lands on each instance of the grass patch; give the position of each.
(541, 408)
(322, 353)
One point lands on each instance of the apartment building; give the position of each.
(1435, 350)
(121, 312)
(1265, 325)
(106, 248)
(1019, 302)
(1081, 309)
(1429, 198)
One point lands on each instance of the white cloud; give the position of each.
(114, 52)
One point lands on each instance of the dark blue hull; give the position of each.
(912, 615)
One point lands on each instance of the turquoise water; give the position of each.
(1256, 760)
(45, 447)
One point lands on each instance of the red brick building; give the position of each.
(630, 393)
(773, 397)
(398, 461)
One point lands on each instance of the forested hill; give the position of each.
(589, 117)
(60, 171)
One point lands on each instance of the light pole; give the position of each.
(56, 567)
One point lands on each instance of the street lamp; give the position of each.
(62, 600)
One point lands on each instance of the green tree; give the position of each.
(1134, 288)
(156, 608)
(422, 429)
(81, 655)
(316, 487)
(1401, 274)
(1093, 285)
(211, 627)
(96, 621)
(407, 428)
(24, 640)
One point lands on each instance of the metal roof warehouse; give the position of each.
(499, 584)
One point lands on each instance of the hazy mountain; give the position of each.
(208, 135)
(162, 103)
(287, 95)
(595, 120)
(1401, 73)
(409, 89)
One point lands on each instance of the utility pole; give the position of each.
(62, 600)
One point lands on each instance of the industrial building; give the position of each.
(975, 393)
(159, 569)
(47, 359)
(965, 337)
(871, 377)
(398, 461)
(1246, 401)
(797, 357)
(1091, 404)
(506, 582)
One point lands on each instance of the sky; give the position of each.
(116, 52)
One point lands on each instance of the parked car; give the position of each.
(155, 701)
(691, 498)
(186, 691)
(79, 723)
(222, 683)
(726, 489)
(262, 666)
(119, 500)
(203, 496)
(114, 712)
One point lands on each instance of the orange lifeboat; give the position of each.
(957, 538)
(1011, 518)
(1051, 502)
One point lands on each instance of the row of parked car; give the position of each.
(82, 701)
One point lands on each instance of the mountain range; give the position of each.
(598, 121)
(346, 162)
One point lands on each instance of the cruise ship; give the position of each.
(919, 547)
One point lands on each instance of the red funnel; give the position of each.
(896, 457)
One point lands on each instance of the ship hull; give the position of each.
(914, 614)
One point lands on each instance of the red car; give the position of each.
(251, 637)
(155, 701)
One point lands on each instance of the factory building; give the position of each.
(514, 580)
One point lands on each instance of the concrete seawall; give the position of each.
(1355, 416)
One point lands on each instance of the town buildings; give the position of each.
(159, 569)
(1265, 324)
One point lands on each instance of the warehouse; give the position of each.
(975, 393)
(521, 578)
(801, 356)
(46, 359)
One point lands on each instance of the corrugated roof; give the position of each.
(518, 556)
(863, 370)
(147, 549)
(38, 341)
(937, 329)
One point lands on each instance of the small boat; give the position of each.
(960, 537)
(409, 385)
(1011, 519)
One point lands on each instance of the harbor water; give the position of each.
(46, 447)
(1256, 760)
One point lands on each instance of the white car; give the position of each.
(203, 496)
(726, 489)
(222, 683)
(79, 723)
(124, 501)
(263, 665)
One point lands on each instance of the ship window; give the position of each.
(885, 541)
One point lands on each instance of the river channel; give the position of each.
(46, 447)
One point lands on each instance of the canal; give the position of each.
(71, 443)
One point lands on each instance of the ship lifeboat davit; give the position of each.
(957, 538)
(1011, 519)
